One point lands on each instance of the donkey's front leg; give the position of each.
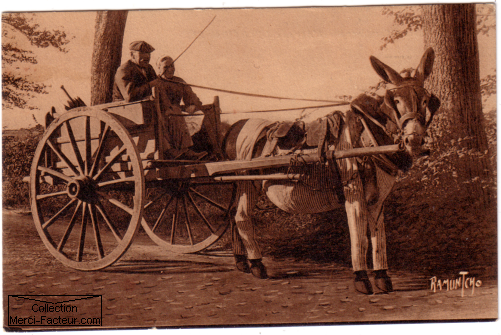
(378, 239)
(356, 210)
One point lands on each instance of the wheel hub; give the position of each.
(82, 189)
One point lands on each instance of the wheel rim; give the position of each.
(186, 216)
(87, 189)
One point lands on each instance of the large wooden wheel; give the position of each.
(87, 189)
(186, 216)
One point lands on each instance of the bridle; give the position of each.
(400, 120)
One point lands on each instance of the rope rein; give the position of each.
(339, 102)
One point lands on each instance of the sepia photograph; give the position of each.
(228, 166)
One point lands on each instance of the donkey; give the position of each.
(359, 184)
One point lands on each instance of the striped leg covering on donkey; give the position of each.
(362, 216)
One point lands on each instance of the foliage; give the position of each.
(18, 152)
(17, 89)
(409, 19)
(433, 214)
(42, 38)
(488, 85)
(486, 19)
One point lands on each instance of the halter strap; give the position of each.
(401, 120)
(406, 117)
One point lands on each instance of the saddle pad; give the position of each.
(314, 131)
(248, 136)
(282, 129)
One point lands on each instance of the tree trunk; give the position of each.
(458, 128)
(107, 54)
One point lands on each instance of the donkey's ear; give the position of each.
(425, 66)
(385, 72)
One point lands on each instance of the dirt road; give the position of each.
(151, 288)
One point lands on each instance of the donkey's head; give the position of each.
(409, 105)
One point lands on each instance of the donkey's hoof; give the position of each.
(363, 285)
(384, 284)
(258, 269)
(241, 264)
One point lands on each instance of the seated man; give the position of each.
(133, 79)
(171, 91)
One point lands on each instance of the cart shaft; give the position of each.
(215, 168)
(279, 161)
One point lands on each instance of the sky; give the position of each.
(309, 53)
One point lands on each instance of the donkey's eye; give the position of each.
(425, 102)
(397, 101)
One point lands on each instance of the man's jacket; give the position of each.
(131, 84)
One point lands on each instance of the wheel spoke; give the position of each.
(74, 145)
(199, 212)
(57, 215)
(174, 221)
(99, 150)
(212, 202)
(112, 161)
(82, 234)
(117, 181)
(160, 217)
(88, 145)
(115, 232)
(50, 195)
(69, 228)
(63, 157)
(155, 199)
(97, 236)
(122, 206)
(188, 223)
(55, 173)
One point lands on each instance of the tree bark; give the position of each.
(459, 124)
(107, 54)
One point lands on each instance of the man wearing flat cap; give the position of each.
(133, 79)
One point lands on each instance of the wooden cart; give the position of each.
(99, 173)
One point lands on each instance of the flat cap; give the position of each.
(165, 59)
(141, 46)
